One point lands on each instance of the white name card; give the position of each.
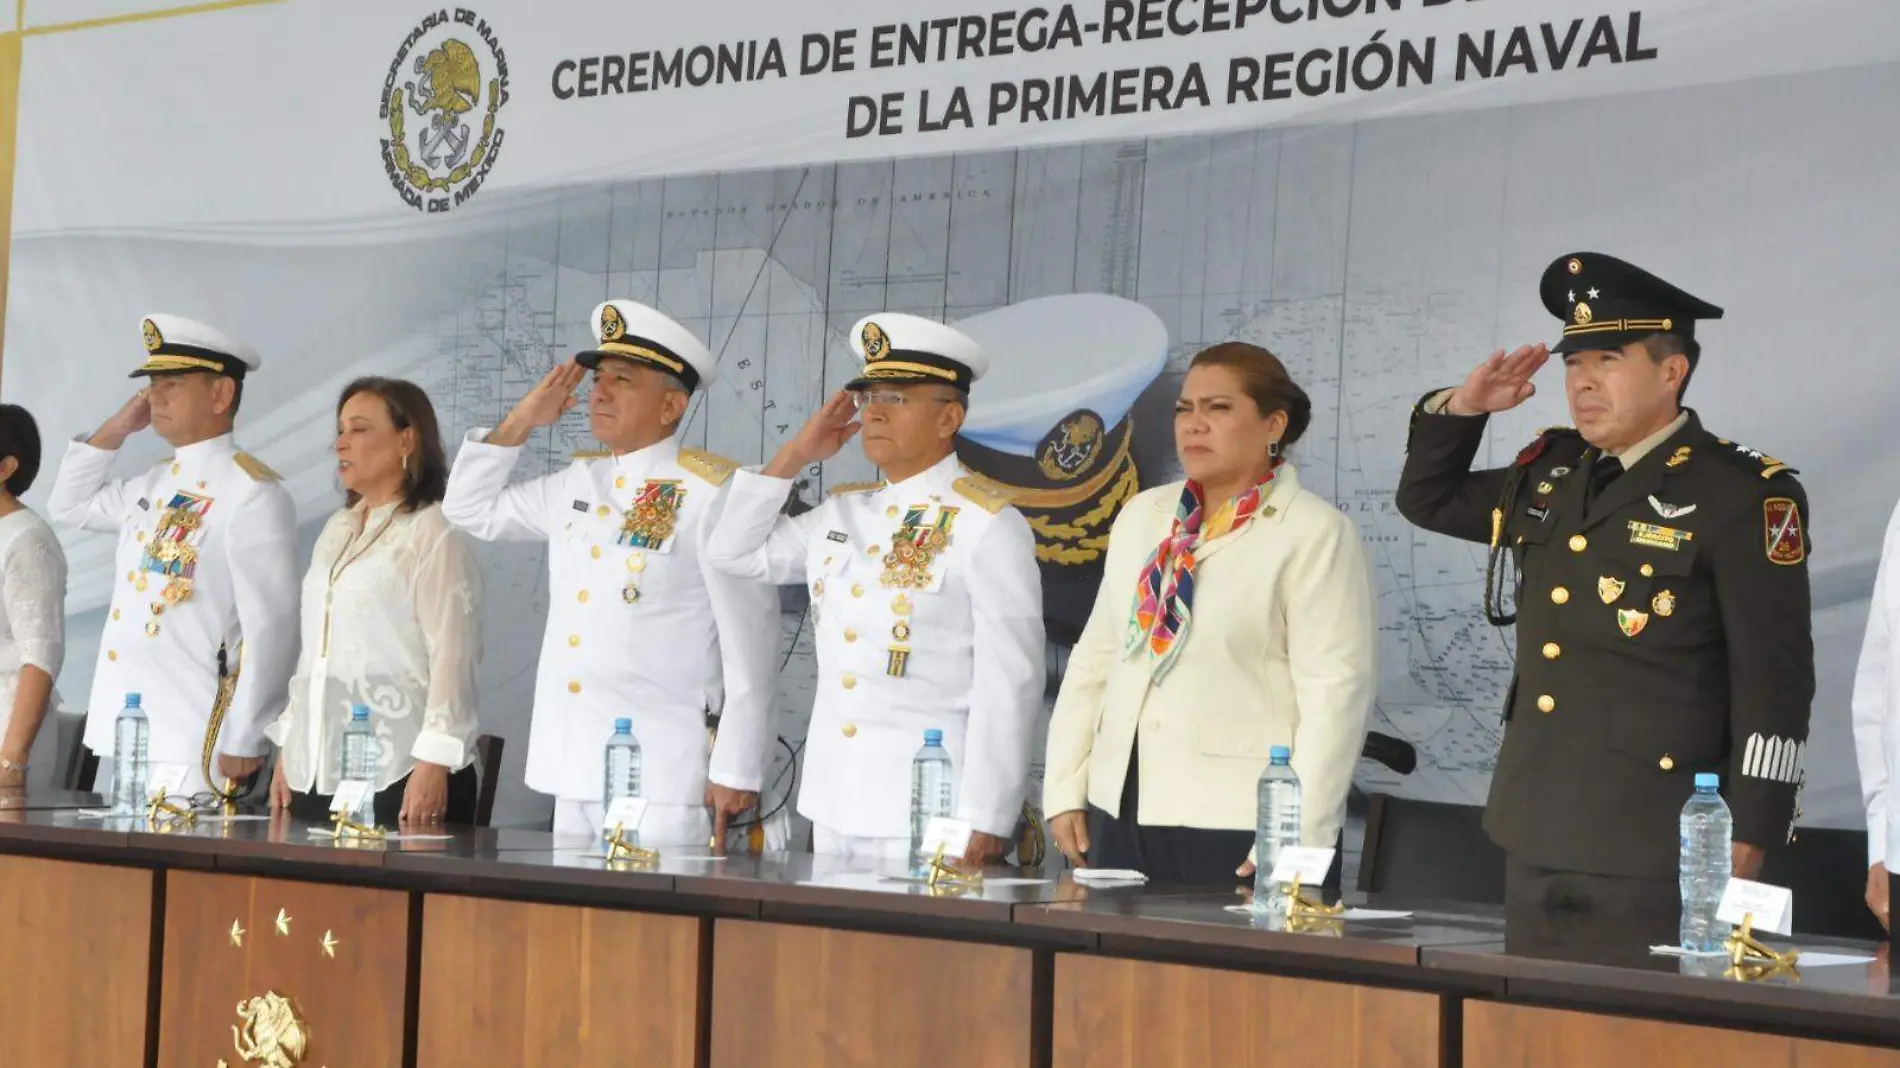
(1770, 907)
(1305, 865)
(349, 795)
(952, 835)
(626, 813)
(167, 780)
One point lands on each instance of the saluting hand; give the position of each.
(1500, 383)
(819, 439)
(546, 402)
(127, 421)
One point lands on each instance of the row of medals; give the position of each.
(170, 553)
(647, 525)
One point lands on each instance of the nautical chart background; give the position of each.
(1380, 259)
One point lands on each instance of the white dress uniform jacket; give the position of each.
(974, 666)
(243, 595)
(1876, 705)
(1280, 651)
(653, 634)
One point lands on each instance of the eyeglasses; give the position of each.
(890, 398)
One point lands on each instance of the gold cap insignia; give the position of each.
(877, 344)
(1582, 314)
(612, 326)
(153, 339)
(1575, 265)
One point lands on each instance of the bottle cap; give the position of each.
(131, 700)
(1707, 778)
(933, 737)
(623, 725)
(359, 712)
(1280, 754)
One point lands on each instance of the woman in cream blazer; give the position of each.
(1235, 614)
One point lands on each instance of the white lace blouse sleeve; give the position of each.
(448, 599)
(33, 590)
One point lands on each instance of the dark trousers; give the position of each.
(315, 807)
(1606, 919)
(1176, 856)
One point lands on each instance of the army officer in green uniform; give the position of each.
(1661, 600)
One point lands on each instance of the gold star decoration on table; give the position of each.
(237, 933)
(329, 944)
(283, 922)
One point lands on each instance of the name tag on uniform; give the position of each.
(1768, 908)
(144, 505)
(1305, 865)
(837, 536)
(580, 506)
(1539, 514)
(952, 835)
(1658, 537)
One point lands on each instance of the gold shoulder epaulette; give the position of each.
(590, 454)
(710, 466)
(256, 468)
(843, 488)
(986, 493)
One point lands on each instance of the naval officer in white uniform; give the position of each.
(639, 624)
(205, 578)
(925, 599)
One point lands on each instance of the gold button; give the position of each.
(574, 686)
(1560, 596)
(871, 552)
(1552, 650)
(849, 730)
(141, 537)
(850, 635)
(891, 512)
(857, 590)
(621, 482)
(850, 681)
(175, 469)
(112, 654)
(1578, 543)
(1648, 570)
(827, 561)
(602, 510)
(595, 552)
(1547, 703)
(1667, 763)
(131, 576)
(583, 596)
(115, 613)
(573, 641)
(818, 588)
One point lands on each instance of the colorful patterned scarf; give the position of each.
(1164, 595)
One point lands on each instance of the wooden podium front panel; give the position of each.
(1112, 1013)
(505, 982)
(76, 944)
(808, 996)
(350, 996)
(1519, 1036)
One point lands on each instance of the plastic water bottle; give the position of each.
(1277, 826)
(362, 759)
(623, 772)
(1707, 831)
(130, 762)
(932, 793)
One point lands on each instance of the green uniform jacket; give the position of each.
(1662, 631)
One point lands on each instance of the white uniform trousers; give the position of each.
(828, 842)
(663, 825)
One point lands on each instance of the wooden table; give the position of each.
(222, 942)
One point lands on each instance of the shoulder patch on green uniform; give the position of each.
(256, 468)
(844, 488)
(986, 493)
(1753, 459)
(590, 454)
(710, 466)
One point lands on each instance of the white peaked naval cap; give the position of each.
(632, 331)
(898, 348)
(175, 345)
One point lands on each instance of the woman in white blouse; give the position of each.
(1235, 614)
(390, 621)
(33, 594)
